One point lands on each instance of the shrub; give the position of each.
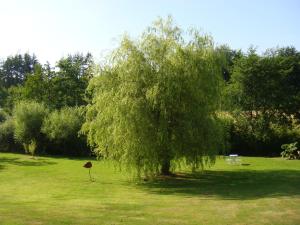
(28, 119)
(290, 151)
(61, 127)
(7, 142)
(253, 136)
(226, 125)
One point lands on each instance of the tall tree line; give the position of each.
(24, 78)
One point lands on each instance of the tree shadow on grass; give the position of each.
(241, 184)
(20, 162)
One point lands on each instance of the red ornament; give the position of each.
(88, 165)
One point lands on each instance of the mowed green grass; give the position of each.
(58, 191)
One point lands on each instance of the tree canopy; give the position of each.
(14, 69)
(156, 101)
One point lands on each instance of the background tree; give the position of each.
(13, 72)
(289, 61)
(267, 84)
(229, 57)
(36, 86)
(15, 69)
(67, 87)
(156, 101)
(57, 87)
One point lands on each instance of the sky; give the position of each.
(52, 29)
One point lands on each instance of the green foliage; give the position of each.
(230, 56)
(6, 129)
(56, 87)
(156, 101)
(67, 87)
(290, 151)
(253, 136)
(14, 95)
(7, 134)
(266, 84)
(226, 122)
(28, 118)
(62, 126)
(66, 91)
(3, 115)
(3, 95)
(36, 86)
(15, 68)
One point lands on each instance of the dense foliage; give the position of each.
(14, 69)
(7, 142)
(156, 101)
(57, 87)
(62, 126)
(264, 93)
(166, 97)
(291, 151)
(28, 118)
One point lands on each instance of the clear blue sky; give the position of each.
(54, 28)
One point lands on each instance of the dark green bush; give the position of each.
(258, 137)
(61, 127)
(226, 125)
(290, 151)
(7, 142)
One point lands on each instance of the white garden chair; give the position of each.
(233, 159)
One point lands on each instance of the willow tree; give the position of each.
(155, 101)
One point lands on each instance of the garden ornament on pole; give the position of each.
(89, 165)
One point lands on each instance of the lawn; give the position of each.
(54, 190)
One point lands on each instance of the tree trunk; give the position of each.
(165, 168)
